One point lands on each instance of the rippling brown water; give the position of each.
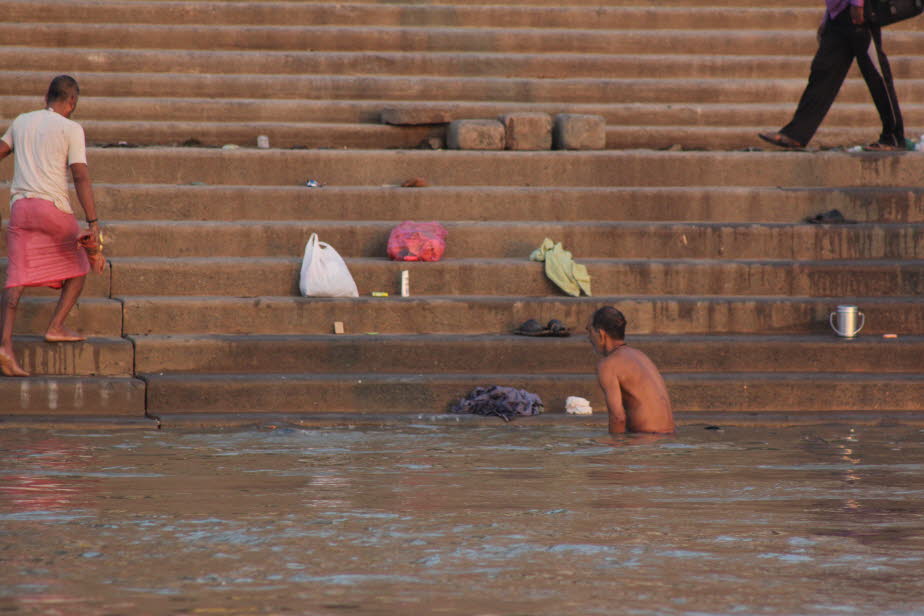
(463, 520)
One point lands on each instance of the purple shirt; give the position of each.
(836, 7)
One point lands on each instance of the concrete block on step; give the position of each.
(575, 131)
(416, 116)
(528, 131)
(476, 135)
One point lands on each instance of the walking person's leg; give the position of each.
(9, 302)
(827, 74)
(70, 293)
(881, 88)
(829, 69)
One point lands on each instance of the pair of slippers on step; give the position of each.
(532, 327)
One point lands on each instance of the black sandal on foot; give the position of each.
(882, 147)
(781, 140)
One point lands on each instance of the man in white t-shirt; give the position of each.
(42, 233)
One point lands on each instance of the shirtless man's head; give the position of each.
(636, 395)
(607, 328)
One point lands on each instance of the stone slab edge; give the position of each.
(686, 420)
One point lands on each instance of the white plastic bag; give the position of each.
(324, 274)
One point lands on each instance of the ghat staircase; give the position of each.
(683, 221)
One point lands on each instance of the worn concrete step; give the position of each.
(482, 314)
(92, 316)
(63, 395)
(537, 65)
(383, 136)
(771, 41)
(738, 137)
(626, 240)
(379, 136)
(596, 3)
(407, 15)
(505, 354)
(402, 393)
(288, 135)
(425, 88)
(291, 112)
(96, 285)
(153, 202)
(255, 277)
(95, 396)
(158, 165)
(556, 3)
(95, 357)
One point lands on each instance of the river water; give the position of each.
(434, 519)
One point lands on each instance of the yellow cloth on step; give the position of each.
(571, 277)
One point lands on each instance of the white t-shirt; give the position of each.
(44, 144)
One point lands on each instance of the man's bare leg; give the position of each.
(56, 331)
(8, 305)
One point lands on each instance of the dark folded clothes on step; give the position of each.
(504, 402)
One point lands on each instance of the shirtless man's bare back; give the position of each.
(636, 396)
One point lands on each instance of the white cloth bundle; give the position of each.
(578, 406)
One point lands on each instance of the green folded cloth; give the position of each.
(571, 277)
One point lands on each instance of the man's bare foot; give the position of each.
(9, 366)
(63, 335)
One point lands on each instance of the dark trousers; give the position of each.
(841, 42)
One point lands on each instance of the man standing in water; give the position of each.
(42, 232)
(636, 396)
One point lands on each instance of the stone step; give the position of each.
(595, 3)
(95, 357)
(408, 15)
(410, 39)
(739, 137)
(256, 277)
(380, 136)
(401, 393)
(118, 111)
(96, 285)
(157, 165)
(92, 316)
(451, 89)
(482, 314)
(557, 3)
(288, 135)
(483, 239)
(439, 64)
(505, 354)
(154, 202)
(61, 395)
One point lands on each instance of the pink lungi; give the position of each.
(41, 243)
